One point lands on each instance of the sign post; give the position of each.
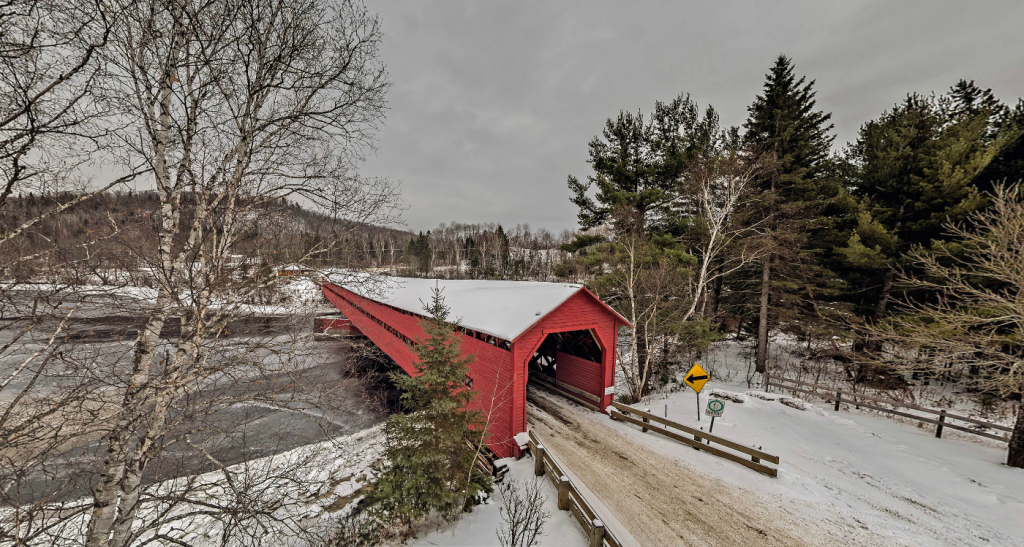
(715, 409)
(696, 377)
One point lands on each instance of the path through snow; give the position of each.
(857, 476)
(657, 499)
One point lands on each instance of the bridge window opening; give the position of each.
(578, 343)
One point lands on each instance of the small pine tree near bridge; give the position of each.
(430, 469)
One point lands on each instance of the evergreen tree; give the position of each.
(637, 165)
(917, 168)
(472, 254)
(418, 252)
(430, 467)
(645, 269)
(1007, 167)
(501, 252)
(785, 127)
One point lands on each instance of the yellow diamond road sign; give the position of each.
(696, 377)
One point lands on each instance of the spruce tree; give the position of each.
(785, 127)
(925, 163)
(430, 467)
(418, 251)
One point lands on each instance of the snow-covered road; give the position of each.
(857, 477)
(658, 500)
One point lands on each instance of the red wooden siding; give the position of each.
(581, 311)
(499, 375)
(491, 372)
(579, 373)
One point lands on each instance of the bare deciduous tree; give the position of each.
(974, 319)
(522, 513)
(661, 293)
(232, 106)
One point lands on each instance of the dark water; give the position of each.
(324, 391)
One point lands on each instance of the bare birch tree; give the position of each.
(231, 106)
(234, 104)
(720, 184)
(662, 292)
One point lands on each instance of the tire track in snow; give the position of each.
(660, 501)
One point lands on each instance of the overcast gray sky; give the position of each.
(494, 103)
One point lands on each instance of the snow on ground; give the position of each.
(291, 294)
(479, 528)
(302, 490)
(330, 476)
(877, 481)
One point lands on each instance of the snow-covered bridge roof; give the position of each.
(504, 309)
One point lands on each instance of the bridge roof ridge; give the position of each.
(505, 309)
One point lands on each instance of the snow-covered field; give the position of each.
(873, 480)
(479, 528)
(291, 295)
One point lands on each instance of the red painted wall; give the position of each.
(491, 371)
(499, 376)
(581, 311)
(580, 373)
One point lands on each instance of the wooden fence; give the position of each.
(839, 396)
(757, 457)
(569, 497)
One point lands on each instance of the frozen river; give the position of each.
(304, 390)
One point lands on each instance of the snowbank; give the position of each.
(303, 490)
(479, 528)
(857, 477)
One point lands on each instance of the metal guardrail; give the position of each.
(756, 457)
(569, 497)
(839, 396)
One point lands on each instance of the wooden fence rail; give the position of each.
(756, 456)
(839, 396)
(569, 497)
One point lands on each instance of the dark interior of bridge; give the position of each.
(578, 343)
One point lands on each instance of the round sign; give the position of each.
(714, 405)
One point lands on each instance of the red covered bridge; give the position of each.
(514, 329)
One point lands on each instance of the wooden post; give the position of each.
(563, 493)
(597, 533)
(538, 460)
(644, 429)
(839, 399)
(942, 419)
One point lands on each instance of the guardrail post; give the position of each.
(563, 493)
(839, 399)
(597, 533)
(538, 460)
(942, 419)
(646, 421)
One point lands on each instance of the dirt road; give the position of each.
(659, 500)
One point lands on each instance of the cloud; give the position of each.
(493, 104)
